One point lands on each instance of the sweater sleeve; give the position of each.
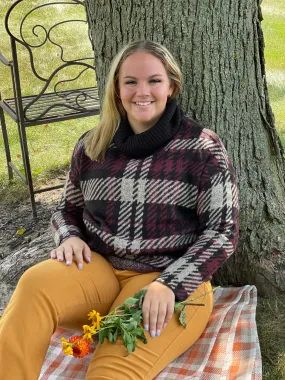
(67, 218)
(217, 210)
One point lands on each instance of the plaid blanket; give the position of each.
(227, 350)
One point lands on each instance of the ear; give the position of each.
(171, 89)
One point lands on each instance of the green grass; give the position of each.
(271, 331)
(273, 27)
(50, 146)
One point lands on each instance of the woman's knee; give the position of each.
(39, 276)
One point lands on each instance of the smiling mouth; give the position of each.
(143, 104)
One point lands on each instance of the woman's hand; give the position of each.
(72, 247)
(158, 307)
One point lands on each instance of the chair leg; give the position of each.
(6, 143)
(27, 166)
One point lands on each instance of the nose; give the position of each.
(143, 89)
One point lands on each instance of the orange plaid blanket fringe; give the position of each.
(227, 350)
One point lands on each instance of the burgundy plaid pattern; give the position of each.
(174, 211)
(227, 349)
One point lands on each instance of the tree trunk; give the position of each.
(13, 266)
(220, 48)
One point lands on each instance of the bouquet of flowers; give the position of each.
(125, 321)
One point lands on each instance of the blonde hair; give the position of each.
(100, 137)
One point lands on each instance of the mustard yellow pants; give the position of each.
(51, 294)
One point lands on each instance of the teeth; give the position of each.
(143, 104)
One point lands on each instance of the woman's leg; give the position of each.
(109, 361)
(47, 295)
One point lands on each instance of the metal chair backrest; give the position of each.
(60, 91)
(61, 73)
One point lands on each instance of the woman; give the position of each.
(150, 202)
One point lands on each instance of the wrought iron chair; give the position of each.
(46, 106)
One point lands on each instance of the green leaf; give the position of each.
(102, 334)
(110, 336)
(131, 301)
(137, 315)
(37, 171)
(115, 335)
(177, 306)
(127, 338)
(141, 336)
(182, 317)
(140, 296)
(132, 325)
(130, 347)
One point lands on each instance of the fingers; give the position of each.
(80, 253)
(169, 314)
(158, 308)
(154, 317)
(72, 249)
(157, 319)
(87, 253)
(68, 254)
(57, 253)
(145, 310)
(53, 254)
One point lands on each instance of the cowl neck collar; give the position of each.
(143, 144)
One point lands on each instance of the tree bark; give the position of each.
(13, 266)
(220, 48)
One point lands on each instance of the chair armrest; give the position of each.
(5, 61)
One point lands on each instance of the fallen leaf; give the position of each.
(37, 171)
(21, 231)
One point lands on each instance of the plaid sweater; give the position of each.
(163, 200)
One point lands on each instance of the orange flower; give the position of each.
(80, 346)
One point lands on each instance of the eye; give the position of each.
(130, 82)
(155, 81)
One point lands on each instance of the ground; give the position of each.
(18, 216)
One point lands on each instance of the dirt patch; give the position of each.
(19, 216)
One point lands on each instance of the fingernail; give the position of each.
(79, 266)
(68, 263)
(89, 260)
(152, 334)
(158, 333)
(146, 327)
(164, 325)
(59, 259)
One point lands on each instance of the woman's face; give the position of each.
(144, 87)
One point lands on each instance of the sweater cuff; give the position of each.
(180, 293)
(59, 238)
(67, 237)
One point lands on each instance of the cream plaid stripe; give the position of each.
(228, 348)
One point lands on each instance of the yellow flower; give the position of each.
(68, 350)
(88, 331)
(93, 315)
(96, 319)
(66, 347)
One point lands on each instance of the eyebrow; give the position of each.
(154, 75)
